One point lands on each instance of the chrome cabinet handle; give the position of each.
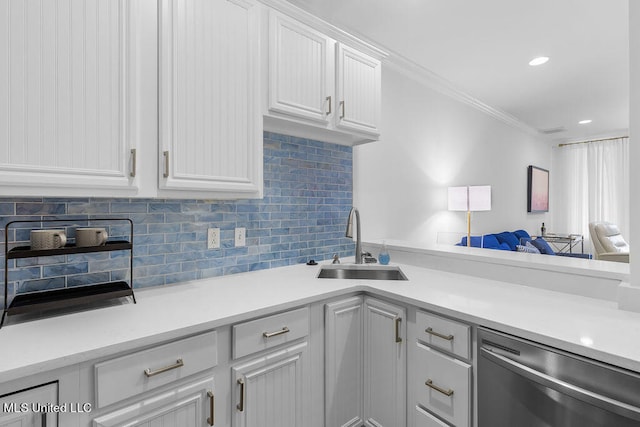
(430, 384)
(329, 101)
(434, 333)
(211, 418)
(240, 406)
(398, 337)
(132, 174)
(603, 402)
(342, 105)
(149, 373)
(276, 333)
(165, 173)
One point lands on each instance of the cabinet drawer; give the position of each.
(449, 392)
(425, 419)
(146, 370)
(270, 331)
(444, 334)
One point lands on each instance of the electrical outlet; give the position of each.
(241, 233)
(213, 238)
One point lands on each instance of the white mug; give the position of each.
(47, 239)
(91, 236)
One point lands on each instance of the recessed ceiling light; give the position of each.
(538, 61)
(584, 122)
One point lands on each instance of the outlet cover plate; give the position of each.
(241, 234)
(213, 238)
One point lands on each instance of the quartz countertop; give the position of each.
(591, 327)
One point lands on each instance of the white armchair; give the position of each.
(608, 243)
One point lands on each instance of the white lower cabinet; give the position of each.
(440, 372)
(28, 408)
(344, 363)
(269, 390)
(365, 363)
(385, 364)
(189, 405)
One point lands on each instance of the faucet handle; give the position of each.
(336, 259)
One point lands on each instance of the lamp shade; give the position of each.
(480, 198)
(458, 198)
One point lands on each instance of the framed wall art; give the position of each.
(537, 189)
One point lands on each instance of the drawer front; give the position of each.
(449, 395)
(425, 419)
(136, 373)
(446, 334)
(266, 332)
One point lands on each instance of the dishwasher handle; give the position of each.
(603, 402)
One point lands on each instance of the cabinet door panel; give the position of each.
(67, 79)
(384, 364)
(22, 409)
(300, 69)
(185, 406)
(209, 117)
(343, 363)
(274, 387)
(359, 94)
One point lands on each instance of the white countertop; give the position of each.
(591, 327)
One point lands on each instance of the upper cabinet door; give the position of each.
(210, 122)
(66, 97)
(358, 91)
(301, 70)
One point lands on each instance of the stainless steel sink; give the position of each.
(361, 272)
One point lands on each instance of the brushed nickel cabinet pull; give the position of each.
(444, 337)
(240, 406)
(342, 105)
(149, 373)
(132, 174)
(166, 164)
(276, 333)
(329, 101)
(211, 419)
(430, 384)
(398, 338)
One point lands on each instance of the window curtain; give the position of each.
(591, 184)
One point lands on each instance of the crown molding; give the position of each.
(434, 81)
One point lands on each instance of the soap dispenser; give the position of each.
(383, 257)
(543, 229)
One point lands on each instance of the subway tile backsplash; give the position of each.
(307, 197)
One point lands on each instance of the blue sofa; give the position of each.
(518, 240)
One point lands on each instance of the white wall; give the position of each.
(430, 142)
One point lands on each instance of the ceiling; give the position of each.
(483, 49)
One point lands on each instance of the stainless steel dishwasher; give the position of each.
(525, 384)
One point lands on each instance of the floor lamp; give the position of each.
(470, 199)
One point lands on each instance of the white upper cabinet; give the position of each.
(301, 82)
(317, 87)
(67, 97)
(210, 121)
(358, 90)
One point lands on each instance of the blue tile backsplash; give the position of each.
(307, 196)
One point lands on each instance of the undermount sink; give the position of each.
(361, 272)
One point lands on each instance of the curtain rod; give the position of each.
(593, 140)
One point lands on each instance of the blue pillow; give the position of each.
(489, 241)
(503, 247)
(508, 238)
(542, 246)
(522, 234)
